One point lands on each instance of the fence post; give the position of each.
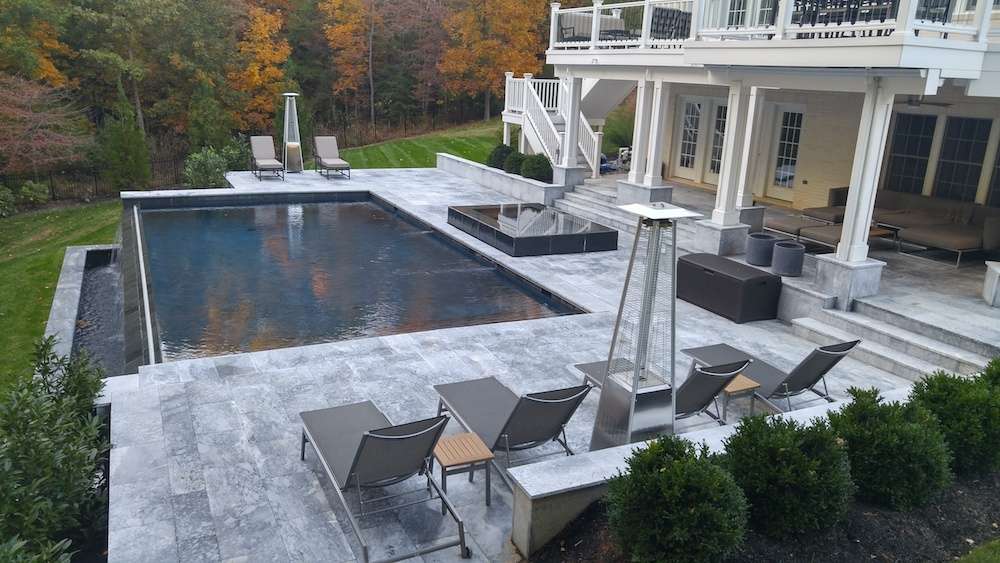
(94, 177)
(52, 188)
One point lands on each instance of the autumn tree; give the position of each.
(350, 32)
(39, 127)
(29, 39)
(488, 38)
(261, 78)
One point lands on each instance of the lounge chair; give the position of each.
(774, 383)
(702, 387)
(360, 448)
(504, 421)
(263, 159)
(328, 157)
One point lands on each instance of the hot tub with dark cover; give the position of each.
(739, 292)
(531, 229)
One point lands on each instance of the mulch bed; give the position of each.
(962, 517)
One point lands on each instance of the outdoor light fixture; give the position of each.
(636, 402)
(292, 140)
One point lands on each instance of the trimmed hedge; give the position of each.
(899, 457)
(498, 156)
(796, 478)
(675, 504)
(513, 163)
(968, 409)
(537, 167)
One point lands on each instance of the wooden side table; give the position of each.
(740, 386)
(463, 453)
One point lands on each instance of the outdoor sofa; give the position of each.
(506, 422)
(328, 157)
(359, 448)
(263, 158)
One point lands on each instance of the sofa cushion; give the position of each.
(790, 224)
(827, 234)
(947, 237)
(832, 214)
(916, 218)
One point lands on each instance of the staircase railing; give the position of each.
(588, 140)
(537, 117)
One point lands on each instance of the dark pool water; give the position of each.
(99, 318)
(237, 279)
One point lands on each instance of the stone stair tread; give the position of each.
(896, 332)
(969, 342)
(915, 365)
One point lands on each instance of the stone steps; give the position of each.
(604, 194)
(870, 352)
(585, 212)
(962, 341)
(931, 350)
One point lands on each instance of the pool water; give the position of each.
(237, 279)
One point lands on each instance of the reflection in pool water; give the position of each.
(236, 279)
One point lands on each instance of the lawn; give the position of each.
(986, 553)
(473, 142)
(31, 254)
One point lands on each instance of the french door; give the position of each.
(785, 152)
(701, 128)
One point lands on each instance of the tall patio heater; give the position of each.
(293, 143)
(636, 402)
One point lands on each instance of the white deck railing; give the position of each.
(537, 117)
(658, 24)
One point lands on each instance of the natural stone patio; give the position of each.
(205, 464)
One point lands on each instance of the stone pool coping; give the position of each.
(66, 301)
(550, 494)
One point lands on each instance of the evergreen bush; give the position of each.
(51, 453)
(32, 194)
(205, 169)
(236, 153)
(537, 167)
(123, 153)
(514, 162)
(674, 504)
(7, 202)
(899, 458)
(796, 478)
(968, 409)
(498, 156)
(991, 374)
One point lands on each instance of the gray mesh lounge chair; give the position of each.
(504, 421)
(702, 387)
(774, 383)
(328, 157)
(360, 448)
(263, 159)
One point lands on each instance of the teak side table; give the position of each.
(463, 453)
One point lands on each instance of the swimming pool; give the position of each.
(244, 278)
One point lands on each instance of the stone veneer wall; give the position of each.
(513, 185)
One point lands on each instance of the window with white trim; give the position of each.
(910, 152)
(689, 134)
(788, 149)
(963, 149)
(718, 137)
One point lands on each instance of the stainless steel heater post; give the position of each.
(292, 141)
(636, 402)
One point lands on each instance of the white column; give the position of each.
(553, 24)
(872, 133)
(640, 130)
(506, 133)
(647, 24)
(906, 13)
(725, 212)
(784, 18)
(571, 139)
(983, 19)
(658, 130)
(744, 197)
(521, 142)
(595, 24)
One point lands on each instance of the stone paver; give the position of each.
(206, 466)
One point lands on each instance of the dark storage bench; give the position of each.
(739, 292)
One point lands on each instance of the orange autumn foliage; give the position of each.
(46, 45)
(346, 32)
(262, 78)
(488, 38)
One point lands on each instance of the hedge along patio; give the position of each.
(206, 451)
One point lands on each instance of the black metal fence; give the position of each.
(81, 185)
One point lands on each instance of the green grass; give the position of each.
(986, 553)
(32, 252)
(473, 142)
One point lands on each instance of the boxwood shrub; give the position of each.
(498, 155)
(991, 374)
(7, 202)
(899, 458)
(32, 194)
(537, 167)
(796, 478)
(674, 504)
(51, 457)
(968, 409)
(513, 163)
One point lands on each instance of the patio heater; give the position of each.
(293, 143)
(636, 403)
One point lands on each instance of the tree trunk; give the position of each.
(371, 69)
(486, 105)
(140, 120)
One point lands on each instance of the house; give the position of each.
(783, 103)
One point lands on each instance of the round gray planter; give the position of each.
(788, 257)
(760, 247)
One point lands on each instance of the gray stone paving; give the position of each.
(206, 466)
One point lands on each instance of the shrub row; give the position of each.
(51, 456)
(28, 195)
(784, 478)
(536, 166)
